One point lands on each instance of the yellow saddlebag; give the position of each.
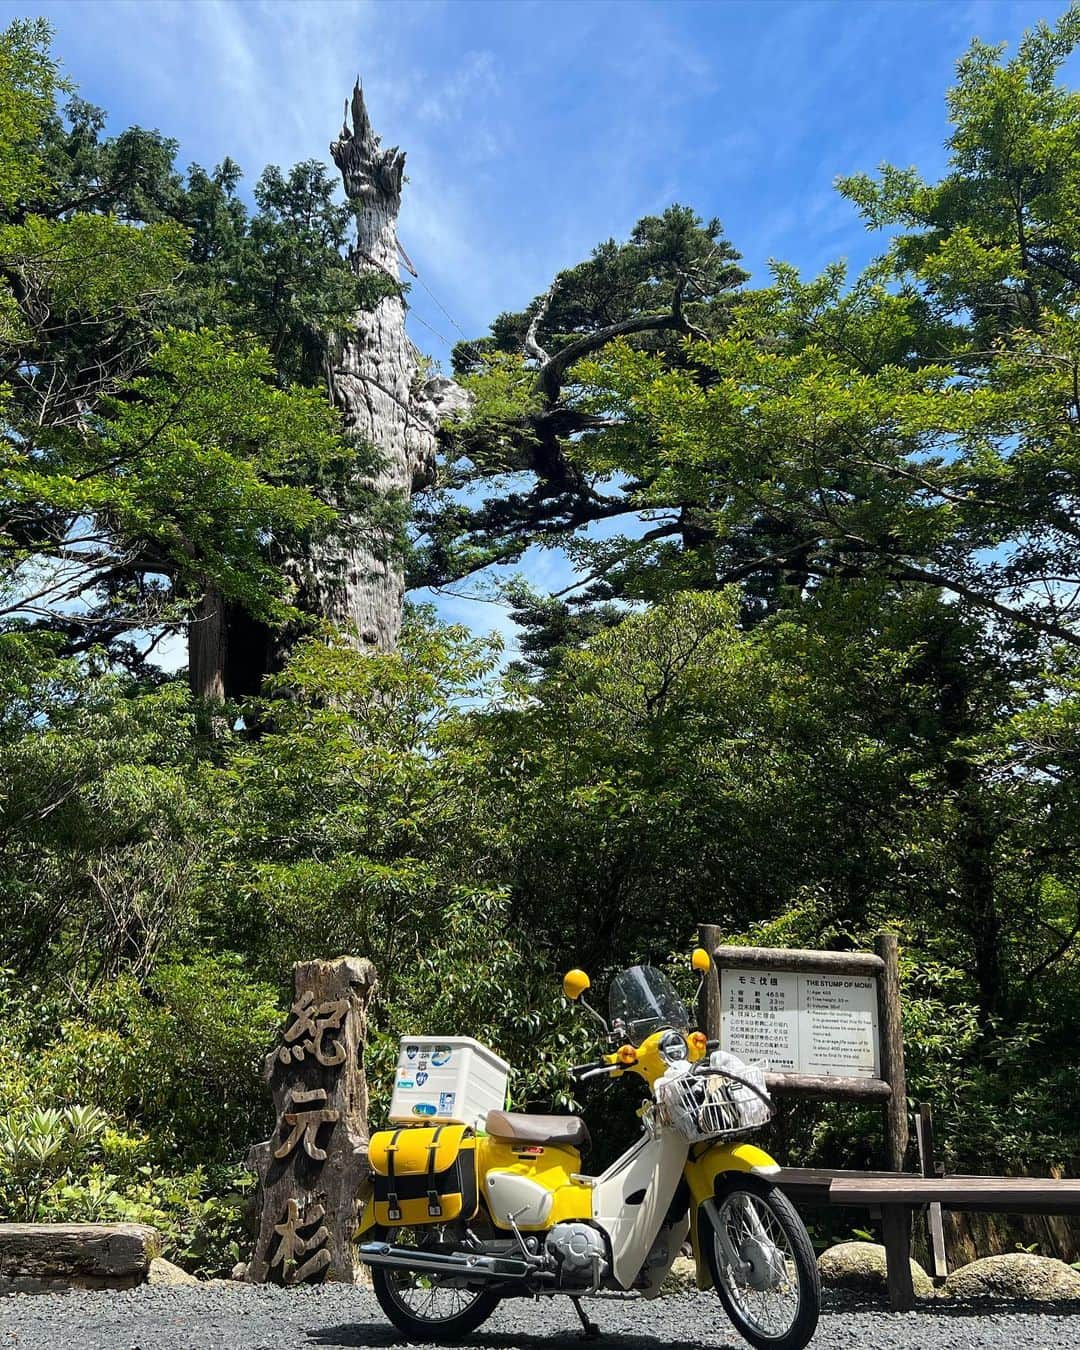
(424, 1174)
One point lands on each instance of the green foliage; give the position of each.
(278, 274)
(71, 1165)
(39, 1145)
(29, 82)
(98, 821)
(673, 250)
(996, 238)
(354, 823)
(495, 434)
(215, 459)
(675, 274)
(161, 436)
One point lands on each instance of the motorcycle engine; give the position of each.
(578, 1251)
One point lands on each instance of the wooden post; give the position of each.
(311, 1168)
(896, 1237)
(924, 1134)
(895, 1219)
(709, 999)
(892, 1051)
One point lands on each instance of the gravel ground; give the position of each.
(225, 1317)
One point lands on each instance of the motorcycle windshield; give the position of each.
(643, 1000)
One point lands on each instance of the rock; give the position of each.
(49, 1257)
(239, 1271)
(860, 1267)
(165, 1273)
(681, 1278)
(1015, 1275)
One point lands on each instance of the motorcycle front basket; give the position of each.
(712, 1105)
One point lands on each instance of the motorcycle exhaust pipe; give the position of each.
(467, 1265)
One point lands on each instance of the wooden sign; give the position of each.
(311, 1169)
(825, 1024)
(815, 1024)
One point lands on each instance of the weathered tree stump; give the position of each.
(311, 1169)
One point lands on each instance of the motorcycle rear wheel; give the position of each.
(427, 1307)
(775, 1304)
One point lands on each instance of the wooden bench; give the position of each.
(892, 1196)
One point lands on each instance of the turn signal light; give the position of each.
(627, 1055)
(699, 1043)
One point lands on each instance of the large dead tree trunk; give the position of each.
(358, 581)
(356, 577)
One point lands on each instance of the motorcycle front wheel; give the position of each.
(427, 1307)
(771, 1290)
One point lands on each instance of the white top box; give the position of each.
(447, 1078)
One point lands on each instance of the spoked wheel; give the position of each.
(762, 1264)
(428, 1307)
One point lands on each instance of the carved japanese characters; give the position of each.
(311, 1169)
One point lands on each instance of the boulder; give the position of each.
(1015, 1275)
(165, 1273)
(860, 1268)
(681, 1278)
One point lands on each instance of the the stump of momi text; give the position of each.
(310, 1170)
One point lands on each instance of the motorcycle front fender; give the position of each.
(703, 1172)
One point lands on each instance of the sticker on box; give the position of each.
(423, 1109)
(441, 1055)
(446, 1102)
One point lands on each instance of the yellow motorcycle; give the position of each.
(461, 1218)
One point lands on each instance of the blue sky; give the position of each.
(536, 128)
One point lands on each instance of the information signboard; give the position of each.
(825, 1025)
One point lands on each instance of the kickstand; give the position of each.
(589, 1330)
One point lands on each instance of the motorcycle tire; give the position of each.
(774, 1214)
(418, 1316)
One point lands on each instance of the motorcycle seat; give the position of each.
(530, 1129)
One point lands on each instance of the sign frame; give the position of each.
(882, 964)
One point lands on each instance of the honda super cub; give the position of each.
(461, 1217)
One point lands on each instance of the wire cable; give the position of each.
(435, 300)
(445, 341)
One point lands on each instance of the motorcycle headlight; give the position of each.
(673, 1047)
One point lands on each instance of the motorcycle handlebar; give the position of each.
(582, 1071)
